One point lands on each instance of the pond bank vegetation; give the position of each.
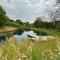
(7, 29)
(27, 50)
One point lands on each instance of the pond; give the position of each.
(22, 35)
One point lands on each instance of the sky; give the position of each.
(28, 10)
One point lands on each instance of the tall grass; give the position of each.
(27, 50)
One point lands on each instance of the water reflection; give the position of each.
(2, 38)
(21, 35)
(24, 34)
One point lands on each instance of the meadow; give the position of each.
(26, 50)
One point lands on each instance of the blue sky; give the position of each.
(28, 10)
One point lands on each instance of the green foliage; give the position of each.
(57, 24)
(27, 23)
(2, 24)
(38, 22)
(2, 11)
(19, 21)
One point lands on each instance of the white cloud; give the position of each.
(27, 9)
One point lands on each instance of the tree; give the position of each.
(3, 17)
(38, 22)
(27, 23)
(54, 16)
(2, 11)
(19, 21)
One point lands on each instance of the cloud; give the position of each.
(58, 1)
(27, 10)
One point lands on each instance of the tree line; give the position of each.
(39, 23)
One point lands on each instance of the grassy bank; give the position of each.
(7, 29)
(54, 32)
(25, 50)
(48, 31)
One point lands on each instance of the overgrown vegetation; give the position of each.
(25, 50)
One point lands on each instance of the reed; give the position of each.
(27, 50)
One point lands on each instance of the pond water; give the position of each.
(22, 35)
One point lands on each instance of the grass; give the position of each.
(26, 50)
(7, 29)
(54, 32)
